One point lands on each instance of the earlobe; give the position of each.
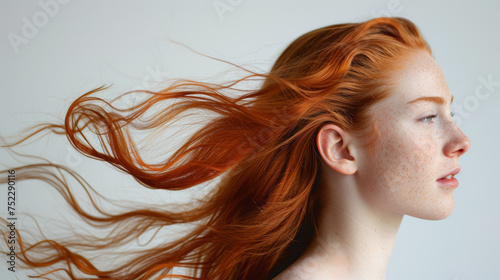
(336, 149)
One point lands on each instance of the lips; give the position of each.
(448, 179)
(452, 172)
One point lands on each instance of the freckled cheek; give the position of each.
(386, 168)
(402, 162)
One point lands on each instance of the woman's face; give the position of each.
(419, 145)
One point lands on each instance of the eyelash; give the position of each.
(431, 117)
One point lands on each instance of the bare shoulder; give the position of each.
(310, 269)
(289, 274)
(303, 271)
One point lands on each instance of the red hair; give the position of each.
(261, 144)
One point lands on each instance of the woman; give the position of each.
(349, 132)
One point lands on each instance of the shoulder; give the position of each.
(288, 274)
(310, 270)
(299, 272)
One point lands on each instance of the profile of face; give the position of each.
(418, 148)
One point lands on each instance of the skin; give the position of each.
(367, 195)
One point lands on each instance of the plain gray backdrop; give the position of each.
(53, 51)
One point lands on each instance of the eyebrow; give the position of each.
(435, 99)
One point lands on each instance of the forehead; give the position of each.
(420, 76)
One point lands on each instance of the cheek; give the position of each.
(402, 166)
(405, 158)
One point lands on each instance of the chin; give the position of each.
(438, 213)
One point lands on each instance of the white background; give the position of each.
(80, 45)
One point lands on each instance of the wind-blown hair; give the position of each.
(261, 145)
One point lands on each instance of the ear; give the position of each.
(337, 149)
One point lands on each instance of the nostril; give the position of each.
(457, 146)
(466, 143)
(465, 146)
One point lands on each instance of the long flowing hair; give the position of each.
(259, 144)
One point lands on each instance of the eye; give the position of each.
(429, 118)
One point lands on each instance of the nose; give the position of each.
(458, 144)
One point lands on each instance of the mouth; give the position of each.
(449, 180)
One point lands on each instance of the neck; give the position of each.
(357, 243)
(352, 241)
